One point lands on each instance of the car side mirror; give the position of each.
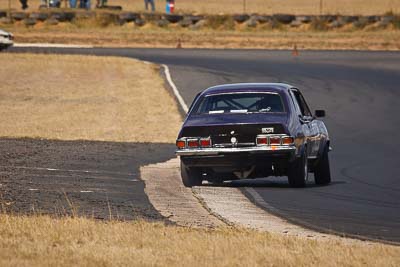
(319, 113)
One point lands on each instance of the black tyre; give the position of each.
(190, 176)
(322, 172)
(240, 18)
(173, 18)
(59, 16)
(19, 15)
(284, 18)
(298, 171)
(39, 16)
(128, 16)
(112, 8)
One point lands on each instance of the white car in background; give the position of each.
(6, 39)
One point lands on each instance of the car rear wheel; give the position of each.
(322, 172)
(298, 171)
(190, 176)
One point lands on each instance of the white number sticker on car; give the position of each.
(267, 130)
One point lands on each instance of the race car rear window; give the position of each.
(240, 103)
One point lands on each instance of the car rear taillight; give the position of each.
(275, 140)
(193, 143)
(262, 140)
(181, 144)
(205, 142)
(287, 140)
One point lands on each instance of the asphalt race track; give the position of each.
(360, 92)
(87, 178)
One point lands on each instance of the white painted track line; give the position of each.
(175, 89)
(44, 45)
(67, 170)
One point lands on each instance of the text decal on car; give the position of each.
(267, 130)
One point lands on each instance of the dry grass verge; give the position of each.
(85, 97)
(42, 241)
(364, 7)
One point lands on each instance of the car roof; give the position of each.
(247, 87)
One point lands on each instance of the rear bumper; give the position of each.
(237, 150)
(237, 158)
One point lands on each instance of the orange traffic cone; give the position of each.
(179, 45)
(295, 52)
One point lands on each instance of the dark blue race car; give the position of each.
(239, 131)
